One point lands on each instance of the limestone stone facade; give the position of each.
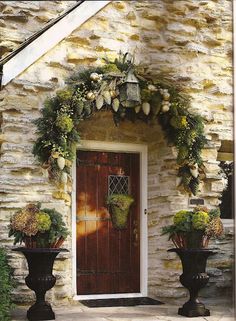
(191, 41)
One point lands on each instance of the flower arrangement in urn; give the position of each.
(193, 229)
(38, 228)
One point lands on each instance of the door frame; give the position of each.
(92, 145)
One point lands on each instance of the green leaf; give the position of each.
(6, 286)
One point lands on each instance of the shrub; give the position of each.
(6, 286)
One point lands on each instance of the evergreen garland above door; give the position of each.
(121, 87)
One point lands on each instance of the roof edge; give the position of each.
(46, 38)
(39, 33)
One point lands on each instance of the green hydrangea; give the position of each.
(44, 221)
(64, 95)
(110, 68)
(65, 123)
(181, 217)
(200, 220)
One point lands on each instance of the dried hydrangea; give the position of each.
(25, 220)
(20, 219)
(32, 226)
(32, 208)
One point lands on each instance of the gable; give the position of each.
(49, 39)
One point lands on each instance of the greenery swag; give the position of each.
(100, 88)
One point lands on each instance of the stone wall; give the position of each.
(20, 19)
(191, 42)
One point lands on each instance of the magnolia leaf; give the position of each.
(99, 101)
(115, 104)
(107, 97)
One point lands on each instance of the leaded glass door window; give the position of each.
(118, 184)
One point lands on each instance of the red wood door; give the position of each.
(108, 260)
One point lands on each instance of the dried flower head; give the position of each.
(19, 220)
(32, 208)
(32, 226)
(25, 220)
(215, 227)
(201, 208)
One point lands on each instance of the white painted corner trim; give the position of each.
(125, 148)
(51, 37)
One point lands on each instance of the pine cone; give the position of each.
(194, 185)
(215, 227)
(186, 179)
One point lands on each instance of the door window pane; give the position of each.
(118, 184)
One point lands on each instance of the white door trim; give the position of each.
(116, 147)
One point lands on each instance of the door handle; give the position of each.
(135, 233)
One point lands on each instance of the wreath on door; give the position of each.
(121, 87)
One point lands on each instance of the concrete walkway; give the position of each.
(166, 312)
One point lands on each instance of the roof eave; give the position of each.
(46, 38)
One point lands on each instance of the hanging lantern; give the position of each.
(130, 91)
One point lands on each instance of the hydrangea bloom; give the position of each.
(200, 220)
(181, 217)
(65, 123)
(44, 221)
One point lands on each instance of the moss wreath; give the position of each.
(98, 88)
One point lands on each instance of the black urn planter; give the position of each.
(40, 279)
(194, 278)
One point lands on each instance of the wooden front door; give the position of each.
(108, 259)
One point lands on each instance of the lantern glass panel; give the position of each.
(130, 91)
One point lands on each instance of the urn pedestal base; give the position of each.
(194, 278)
(193, 310)
(40, 311)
